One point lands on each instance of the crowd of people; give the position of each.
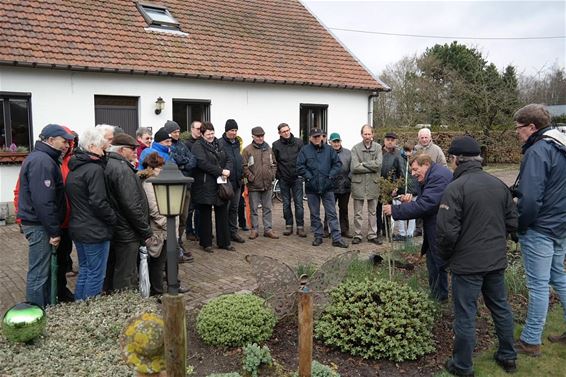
(92, 190)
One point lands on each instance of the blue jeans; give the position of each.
(38, 277)
(292, 190)
(92, 268)
(329, 204)
(543, 258)
(437, 275)
(465, 292)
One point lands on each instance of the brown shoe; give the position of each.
(347, 235)
(288, 230)
(253, 234)
(271, 234)
(301, 232)
(527, 349)
(558, 338)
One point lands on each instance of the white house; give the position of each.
(83, 62)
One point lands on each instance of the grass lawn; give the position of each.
(550, 364)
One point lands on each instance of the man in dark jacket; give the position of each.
(259, 170)
(128, 199)
(433, 179)
(186, 162)
(476, 213)
(542, 219)
(231, 145)
(192, 226)
(342, 185)
(286, 150)
(319, 165)
(42, 207)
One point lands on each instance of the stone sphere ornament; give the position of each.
(142, 344)
(23, 322)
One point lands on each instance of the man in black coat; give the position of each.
(286, 150)
(475, 215)
(128, 199)
(231, 145)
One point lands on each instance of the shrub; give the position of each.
(254, 357)
(320, 370)
(378, 319)
(234, 320)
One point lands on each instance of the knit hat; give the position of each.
(464, 146)
(125, 140)
(230, 125)
(258, 131)
(171, 126)
(161, 135)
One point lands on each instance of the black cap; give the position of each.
(316, 132)
(390, 135)
(258, 131)
(464, 146)
(161, 135)
(231, 124)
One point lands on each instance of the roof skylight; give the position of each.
(158, 16)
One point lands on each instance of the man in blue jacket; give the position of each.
(42, 207)
(319, 165)
(542, 219)
(433, 179)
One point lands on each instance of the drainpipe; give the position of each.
(370, 107)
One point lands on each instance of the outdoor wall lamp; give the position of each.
(159, 105)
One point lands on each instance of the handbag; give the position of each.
(225, 191)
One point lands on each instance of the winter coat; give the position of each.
(41, 199)
(211, 160)
(128, 199)
(259, 166)
(476, 213)
(232, 148)
(343, 181)
(410, 181)
(542, 183)
(92, 216)
(434, 151)
(191, 141)
(392, 164)
(161, 150)
(426, 205)
(286, 152)
(182, 156)
(366, 170)
(140, 148)
(319, 166)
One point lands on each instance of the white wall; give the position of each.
(67, 98)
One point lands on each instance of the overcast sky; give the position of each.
(485, 19)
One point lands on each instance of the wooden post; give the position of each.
(305, 333)
(175, 335)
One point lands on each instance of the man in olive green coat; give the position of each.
(366, 169)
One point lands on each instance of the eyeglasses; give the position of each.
(524, 125)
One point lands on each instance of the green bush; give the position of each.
(378, 319)
(235, 320)
(320, 370)
(254, 357)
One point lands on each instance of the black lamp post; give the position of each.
(170, 188)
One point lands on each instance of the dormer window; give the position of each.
(158, 16)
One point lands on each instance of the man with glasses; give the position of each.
(319, 164)
(42, 207)
(542, 220)
(192, 226)
(259, 170)
(286, 150)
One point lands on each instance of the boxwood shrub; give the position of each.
(378, 319)
(235, 320)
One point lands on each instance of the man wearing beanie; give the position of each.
(231, 145)
(476, 213)
(161, 144)
(259, 169)
(186, 162)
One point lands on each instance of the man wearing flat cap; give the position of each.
(42, 207)
(476, 213)
(391, 169)
(259, 169)
(127, 197)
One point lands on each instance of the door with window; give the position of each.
(186, 111)
(312, 116)
(16, 134)
(118, 111)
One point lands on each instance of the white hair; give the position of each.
(92, 137)
(424, 131)
(105, 128)
(115, 148)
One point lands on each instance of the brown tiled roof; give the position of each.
(276, 41)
